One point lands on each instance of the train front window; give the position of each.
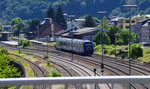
(88, 44)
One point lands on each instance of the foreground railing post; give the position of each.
(112, 85)
(81, 86)
(128, 86)
(50, 86)
(3, 87)
(66, 86)
(144, 86)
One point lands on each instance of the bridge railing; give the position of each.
(75, 80)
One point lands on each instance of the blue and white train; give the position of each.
(84, 47)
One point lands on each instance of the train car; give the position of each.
(75, 45)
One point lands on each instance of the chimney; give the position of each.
(47, 20)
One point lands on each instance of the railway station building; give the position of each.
(84, 33)
(48, 28)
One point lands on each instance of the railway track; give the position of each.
(74, 66)
(115, 65)
(38, 71)
(82, 70)
(112, 65)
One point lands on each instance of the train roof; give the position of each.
(74, 40)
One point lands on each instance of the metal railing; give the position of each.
(75, 80)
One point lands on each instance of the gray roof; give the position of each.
(85, 31)
(5, 32)
(88, 30)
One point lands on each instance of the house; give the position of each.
(80, 22)
(122, 22)
(142, 28)
(72, 25)
(48, 28)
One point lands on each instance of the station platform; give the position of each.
(13, 43)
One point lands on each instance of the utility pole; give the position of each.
(130, 9)
(102, 63)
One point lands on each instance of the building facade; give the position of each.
(123, 23)
(142, 28)
(48, 28)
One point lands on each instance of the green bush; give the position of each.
(35, 56)
(17, 51)
(25, 43)
(3, 50)
(148, 52)
(20, 42)
(7, 70)
(136, 51)
(94, 44)
(47, 75)
(55, 73)
(46, 56)
(49, 63)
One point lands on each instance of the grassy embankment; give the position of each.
(111, 49)
(47, 65)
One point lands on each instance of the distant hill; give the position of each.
(27, 9)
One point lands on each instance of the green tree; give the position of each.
(7, 70)
(112, 33)
(60, 18)
(135, 37)
(122, 36)
(98, 38)
(142, 14)
(33, 25)
(89, 21)
(1, 28)
(136, 51)
(17, 25)
(50, 12)
(103, 23)
(16, 20)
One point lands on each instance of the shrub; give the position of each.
(25, 43)
(17, 51)
(20, 42)
(148, 52)
(136, 51)
(49, 63)
(94, 44)
(35, 56)
(46, 56)
(47, 75)
(55, 73)
(3, 50)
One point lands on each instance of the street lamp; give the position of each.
(130, 8)
(71, 17)
(102, 64)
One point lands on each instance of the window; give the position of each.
(127, 21)
(127, 27)
(88, 44)
(133, 21)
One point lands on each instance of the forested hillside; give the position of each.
(27, 9)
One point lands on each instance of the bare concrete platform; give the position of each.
(13, 43)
